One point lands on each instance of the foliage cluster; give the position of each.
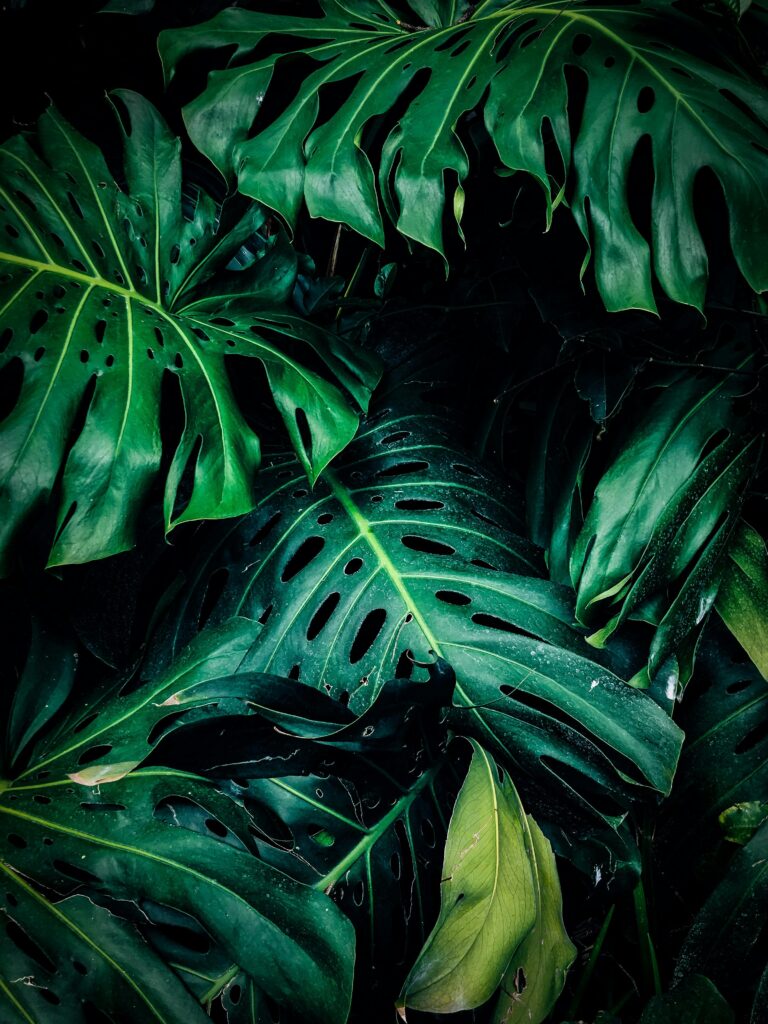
(382, 512)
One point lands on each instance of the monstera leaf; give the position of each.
(399, 89)
(79, 819)
(406, 551)
(107, 292)
(656, 532)
(725, 758)
(726, 939)
(353, 806)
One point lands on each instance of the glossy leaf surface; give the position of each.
(695, 1000)
(104, 294)
(488, 894)
(725, 940)
(536, 973)
(657, 527)
(73, 823)
(742, 599)
(410, 546)
(407, 87)
(356, 807)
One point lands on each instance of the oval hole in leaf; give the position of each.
(427, 546)
(300, 559)
(370, 628)
(322, 615)
(453, 597)
(419, 504)
(94, 753)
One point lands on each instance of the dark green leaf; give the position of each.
(650, 74)
(725, 756)
(410, 547)
(695, 1000)
(103, 293)
(79, 815)
(728, 929)
(662, 513)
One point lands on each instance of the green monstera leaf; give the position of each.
(409, 550)
(392, 136)
(725, 757)
(83, 816)
(105, 292)
(654, 540)
(354, 806)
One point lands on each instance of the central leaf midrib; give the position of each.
(366, 532)
(68, 923)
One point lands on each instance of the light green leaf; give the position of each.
(742, 599)
(104, 293)
(652, 73)
(536, 973)
(488, 896)
(740, 822)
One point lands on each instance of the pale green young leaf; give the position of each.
(487, 897)
(742, 599)
(536, 973)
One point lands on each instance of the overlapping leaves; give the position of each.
(105, 292)
(71, 827)
(658, 522)
(391, 136)
(409, 550)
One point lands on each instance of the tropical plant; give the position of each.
(384, 599)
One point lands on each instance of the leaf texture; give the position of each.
(393, 147)
(105, 294)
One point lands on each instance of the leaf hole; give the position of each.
(426, 545)
(94, 753)
(418, 505)
(369, 630)
(453, 597)
(738, 686)
(353, 566)
(322, 615)
(265, 530)
(581, 44)
(752, 739)
(307, 551)
(38, 321)
(646, 99)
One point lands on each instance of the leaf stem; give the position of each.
(591, 964)
(219, 985)
(648, 959)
